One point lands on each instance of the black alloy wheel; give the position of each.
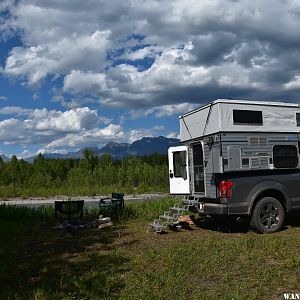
(268, 215)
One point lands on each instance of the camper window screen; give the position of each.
(285, 156)
(247, 117)
(179, 161)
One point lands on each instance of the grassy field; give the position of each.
(125, 262)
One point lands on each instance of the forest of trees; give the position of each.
(87, 176)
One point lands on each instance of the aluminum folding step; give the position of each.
(156, 226)
(189, 203)
(170, 217)
(179, 210)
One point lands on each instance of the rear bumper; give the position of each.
(213, 209)
(220, 206)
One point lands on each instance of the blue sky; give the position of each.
(82, 73)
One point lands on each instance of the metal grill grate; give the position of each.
(263, 141)
(253, 140)
(259, 162)
(254, 163)
(258, 141)
(264, 162)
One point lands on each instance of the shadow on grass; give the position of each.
(293, 218)
(37, 265)
(221, 224)
(231, 225)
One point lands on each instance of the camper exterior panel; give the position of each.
(253, 150)
(193, 125)
(197, 124)
(274, 118)
(209, 170)
(219, 117)
(249, 152)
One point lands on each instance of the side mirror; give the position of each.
(171, 175)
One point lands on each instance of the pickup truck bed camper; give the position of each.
(240, 158)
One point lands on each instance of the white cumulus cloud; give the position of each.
(40, 126)
(138, 54)
(58, 57)
(56, 131)
(163, 110)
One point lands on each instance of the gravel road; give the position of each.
(90, 202)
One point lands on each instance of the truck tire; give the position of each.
(267, 216)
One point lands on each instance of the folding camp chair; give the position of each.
(112, 205)
(70, 214)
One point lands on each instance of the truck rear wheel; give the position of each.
(267, 215)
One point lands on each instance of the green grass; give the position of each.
(126, 262)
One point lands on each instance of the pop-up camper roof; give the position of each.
(224, 115)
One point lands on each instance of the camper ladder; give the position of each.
(170, 217)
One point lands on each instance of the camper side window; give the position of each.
(179, 163)
(285, 156)
(247, 117)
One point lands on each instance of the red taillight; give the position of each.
(225, 187)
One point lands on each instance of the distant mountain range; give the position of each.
(4, 157)
(145, 146)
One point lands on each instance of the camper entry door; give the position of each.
(179, 170)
